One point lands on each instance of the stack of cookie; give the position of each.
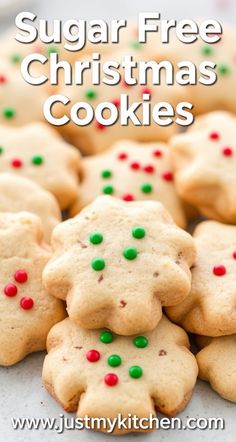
(205, 163)
(116, 264)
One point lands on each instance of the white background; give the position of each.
(21, 391)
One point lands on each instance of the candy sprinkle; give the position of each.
(106, 337)
(111, 379)
(37, 160)
(140, 341)
(146, 188)
(114, 360)
(135, 372)
(93, 355)
(98, 264)
(130, 253)
(138, 232)
(96, 238)
(8, 113)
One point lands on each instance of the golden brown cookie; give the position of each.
(131, 171)
(99, 374)
(210, 307)
(27, 311)
(204, 160)
(117, 264)
(36, 151)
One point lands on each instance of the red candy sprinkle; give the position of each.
(227, 151)
(26, 303)
(135, 165)
(214, 136)
(38, 48)
(128, 197)
(111, 379)
(122, 156)
(93, 355)
(116, 102)
(21, 276)
(149, 169)
(168, 176)
(10, 290)
(146, 90)
(157, 153)
(16, 162)
(219, 270)
(3, 79)
(234, 254)
(124, 84)
(99, 126)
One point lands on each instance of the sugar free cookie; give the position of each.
(131, 171)
(100, 374)
(27, 311)
(217, 362)
(116, 264)
(220, 94)
(209, 309)
(18, 193)
(20, 102)
(204, 161)
(97, 137)
(37, 152)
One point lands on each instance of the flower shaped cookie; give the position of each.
(27, 311)
(116, 264)
(37, 152)
(131, 171)
(205, 160)
(209, 309)
(99, 374)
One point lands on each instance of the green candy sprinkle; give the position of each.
(140, 341)
(106, 337)
(207, 50)
(108, 190)
(96, 238)
(52, 50)
(223, 69)
(90, 94)
(130, 253)
(15, 58)
(135, 45)
(1, 150)
(138, 232)
(98, 264)
(37, 160)
(8, 112)
(146, 188)
(106, 173)
(135, 371)
(114, 360)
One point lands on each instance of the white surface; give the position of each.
(22, 393)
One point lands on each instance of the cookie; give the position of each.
(204, 160)
(96, 137)
(124, 169)
(21, 194)
(209, 309)
(36, 151)
(99, 374)
(217, 361)
(27, 311)
(117, 264)
(20, 102)
(209, 97)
